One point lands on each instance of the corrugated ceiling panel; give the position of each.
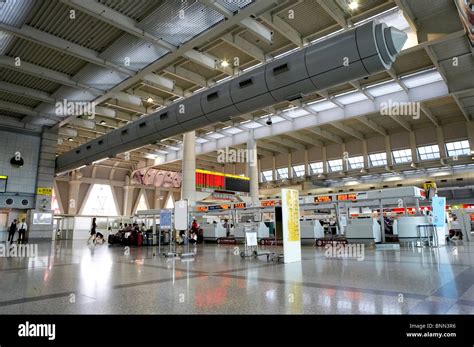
(308, 18)
(18, 99)
(139, 52)
(137, 9)
(45, 57)
(99, 77)
(165, 21)
(26, 80)
(84, 30)
(234, 5)
(14, 12)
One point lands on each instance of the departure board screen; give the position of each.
(219, 181)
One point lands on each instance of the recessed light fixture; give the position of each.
(224, 63)
(353, 4)
(70, 139)
(102, 122)
(150, 99)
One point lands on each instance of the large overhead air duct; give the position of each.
(354, 54)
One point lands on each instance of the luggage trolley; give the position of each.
(251, 245)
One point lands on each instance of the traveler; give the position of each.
(93, 230)
(12, 231)
(22, 232)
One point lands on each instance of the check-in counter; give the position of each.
(262, 230)
(406, 227)
(213, 231)
(363, 230)
(311, 230)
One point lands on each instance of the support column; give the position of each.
(470, 134)
(414, 154)
(290, 167)
(441, 144)
(388, 151)
(157, 201)
(365, 153)
(128, 200)
(252, 168)
(188, 188)
(73, 198)
(306, 163)
(44, 179)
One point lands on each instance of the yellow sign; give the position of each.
(428, 185)
(44, 191)
(292, 203)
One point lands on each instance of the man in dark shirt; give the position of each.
(12, 231)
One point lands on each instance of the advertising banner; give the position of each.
(291, 225)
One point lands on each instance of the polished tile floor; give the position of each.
(72, 277)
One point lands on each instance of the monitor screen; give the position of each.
(42, 218)
(3, 184)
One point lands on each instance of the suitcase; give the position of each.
(139, 239)
(111, 240)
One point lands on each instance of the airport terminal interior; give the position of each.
(237, 157)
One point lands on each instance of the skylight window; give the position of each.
(267, 175)
(316, 168)
(356, 162)
(335, 165)
(402, 156)
(378, 159)
(282, 173)
(428, 152)
(299, 170)
(458, 148)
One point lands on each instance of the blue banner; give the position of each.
(165, 219)
(438, 205)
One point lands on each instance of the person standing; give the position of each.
(12, 231)
(22, 229)
(93, 230)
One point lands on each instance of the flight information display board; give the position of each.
(219, 181)
(322, 198)
(3, 184)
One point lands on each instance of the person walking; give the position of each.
(93, 231)
(22, 229)
(12, 231)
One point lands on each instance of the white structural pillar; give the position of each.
(252, 169)
(188, 188)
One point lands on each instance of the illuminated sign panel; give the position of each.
(346, 197)
(322, 198)
(219, 181)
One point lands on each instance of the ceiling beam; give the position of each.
(108, 15)
(208, 61)
(305, 138)
(279, 25)
(47, 74)
(285, 142)
(252, 25)
(27, 92)
(245, 46)
(333, 10)
(26, 110)
(403, 122)
(371, 124)
(40, 37)
(429, 114)
(187, 75)
(326, 134)
(348, 130)
(271, 147)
